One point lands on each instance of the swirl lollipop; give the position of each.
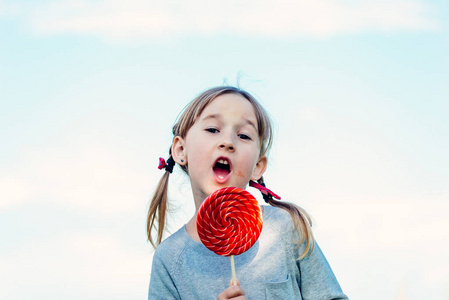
(229, 222)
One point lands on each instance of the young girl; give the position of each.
(222, 139)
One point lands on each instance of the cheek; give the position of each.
(195, 150)
(197, 159)
(246, 168)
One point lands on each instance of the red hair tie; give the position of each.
(266, 193)
(168, 166)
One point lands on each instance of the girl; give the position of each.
(222, 139)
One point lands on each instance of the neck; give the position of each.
(191, 229)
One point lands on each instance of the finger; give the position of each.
(234, 283)
(235, 291)
(232, 292)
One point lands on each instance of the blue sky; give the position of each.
(90, 89)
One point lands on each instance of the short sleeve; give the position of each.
(318, 282)
(161, 282)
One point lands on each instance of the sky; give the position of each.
(358, 91)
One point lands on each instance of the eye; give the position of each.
(212, 130)
(244, 136)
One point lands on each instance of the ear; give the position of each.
(260, 168)
(178, 151)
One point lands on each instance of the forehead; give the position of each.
(234, 105)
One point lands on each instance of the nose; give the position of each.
(227, 146)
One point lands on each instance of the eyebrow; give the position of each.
(218, 116)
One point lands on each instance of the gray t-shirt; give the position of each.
(186, 269)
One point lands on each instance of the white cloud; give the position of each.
(138, 19)
(90, 266)
(91, 178)
(403, 238)
(85, 165)
(376, 211)
(14, 191)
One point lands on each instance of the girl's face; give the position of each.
(222, 147)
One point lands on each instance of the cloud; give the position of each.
(96, 266)
(90, 178)
(376, 210)
(87, 165)
(14, 190)
(395, 236)
(138, 19)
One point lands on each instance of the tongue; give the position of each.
(221, 172)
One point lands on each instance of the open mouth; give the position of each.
(222, 169)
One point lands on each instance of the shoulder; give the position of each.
(277, 218)
(164, 267)
(279, 221)
(171, 248)
(273, 211)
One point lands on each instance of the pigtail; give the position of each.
(158, 207)
(301, 219)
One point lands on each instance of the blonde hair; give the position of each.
(189, 115)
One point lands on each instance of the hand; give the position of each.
(234, 292)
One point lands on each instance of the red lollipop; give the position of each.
(229, 221)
